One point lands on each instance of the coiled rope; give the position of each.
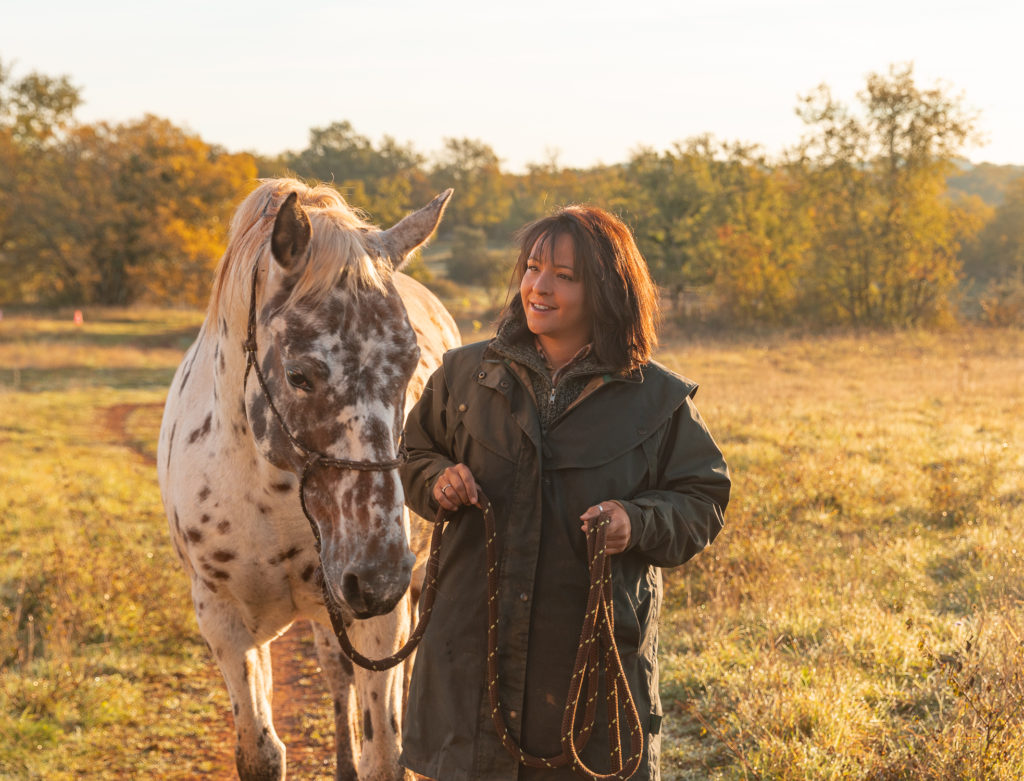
(597, 653)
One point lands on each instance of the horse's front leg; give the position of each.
(338, 670)
(381, 694)
(246, 667)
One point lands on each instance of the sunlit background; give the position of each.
(586, 81)
(849, 296)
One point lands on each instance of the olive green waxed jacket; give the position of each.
(635, 438)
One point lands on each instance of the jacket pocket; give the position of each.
(496, 433)
(637, 597)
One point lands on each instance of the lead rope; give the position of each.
(597, 640)
(597, 644)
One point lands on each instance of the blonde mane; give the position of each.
(339, 244)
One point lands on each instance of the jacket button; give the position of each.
(524, 597)
(503, 383)
(462, 408)
(481, 375)
(512, 714)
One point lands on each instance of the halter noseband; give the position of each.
(311, 457)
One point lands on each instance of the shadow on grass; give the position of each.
(176, 338)
(62, 378)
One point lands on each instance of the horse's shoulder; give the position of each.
(465, 358)
(425, 309)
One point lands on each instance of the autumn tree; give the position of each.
(998, 253)
(386, 180)
(887, 239)
(763, 239)
(994, 262)
(34, 108)
(34, 111)
(677, 208)
(548, 185)
(122, 213)
(482, 198)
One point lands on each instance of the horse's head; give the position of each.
(334, 351)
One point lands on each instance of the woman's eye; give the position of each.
(298, 380)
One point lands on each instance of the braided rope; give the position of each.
(597, 642)
(597, 636)
(426, 607)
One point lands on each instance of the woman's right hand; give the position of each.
(455, 487)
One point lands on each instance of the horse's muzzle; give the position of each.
(369, 590)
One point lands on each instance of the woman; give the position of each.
(562, 418)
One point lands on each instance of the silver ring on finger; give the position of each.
(600, 509)
(444, 489)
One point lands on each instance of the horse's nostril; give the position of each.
(350, 586)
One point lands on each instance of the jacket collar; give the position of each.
(515, 342)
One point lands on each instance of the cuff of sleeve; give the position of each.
(432, 481)
(635, 522)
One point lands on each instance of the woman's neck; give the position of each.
(558, 352)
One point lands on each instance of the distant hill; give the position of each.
(986, 180)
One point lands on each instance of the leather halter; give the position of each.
(311, 458)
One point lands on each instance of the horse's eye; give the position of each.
(298, 380)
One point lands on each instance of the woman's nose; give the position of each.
(542, 283)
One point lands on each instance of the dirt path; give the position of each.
(302, 708)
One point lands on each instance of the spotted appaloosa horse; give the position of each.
(345, 344)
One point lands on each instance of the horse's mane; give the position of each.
(338, 245)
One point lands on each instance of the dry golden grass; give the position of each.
(859, 617)
(872, 538)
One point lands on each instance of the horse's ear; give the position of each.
(292, 232)
(413, 230)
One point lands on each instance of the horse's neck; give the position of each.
(225, 353)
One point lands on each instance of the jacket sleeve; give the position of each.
(425, 442)
(685, 510)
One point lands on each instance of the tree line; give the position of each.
(856, 224)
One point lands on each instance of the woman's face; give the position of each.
(552, 294)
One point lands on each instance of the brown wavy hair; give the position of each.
(618, 293)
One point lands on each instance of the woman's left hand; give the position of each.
(617, 536)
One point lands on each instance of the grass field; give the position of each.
(859, 617)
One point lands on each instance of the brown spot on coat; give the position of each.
(346, 663)
(170, 444)
(223, 555)
(202, 431)
(284, 556)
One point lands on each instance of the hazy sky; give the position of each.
(588, 80)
